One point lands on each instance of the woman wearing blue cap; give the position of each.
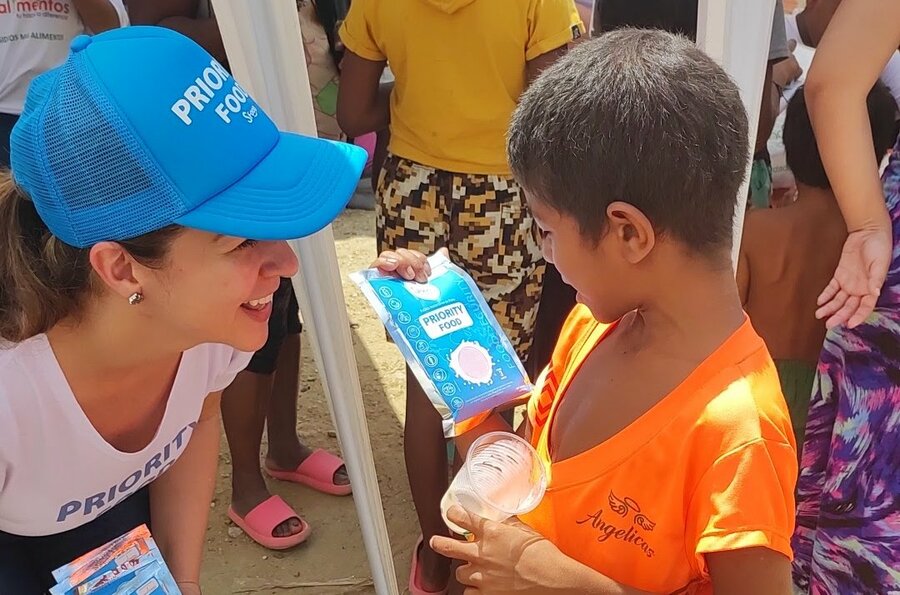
(141, 239)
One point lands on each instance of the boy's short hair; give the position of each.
(640, 116)
(801, 150)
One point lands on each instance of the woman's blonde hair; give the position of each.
(44, 280)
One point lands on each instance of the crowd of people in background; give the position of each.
(481, 119)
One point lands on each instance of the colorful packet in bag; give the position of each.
(450, 339)
(109, 569)
(115, 553)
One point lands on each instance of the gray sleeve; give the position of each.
(778, 45)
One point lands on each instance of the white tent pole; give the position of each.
(735, 33)
(265, 53)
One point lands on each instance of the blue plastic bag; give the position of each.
(450, 339)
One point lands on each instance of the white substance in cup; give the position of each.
(502, 477)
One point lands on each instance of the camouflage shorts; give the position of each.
(485, 224)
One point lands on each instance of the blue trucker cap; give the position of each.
(141, 128)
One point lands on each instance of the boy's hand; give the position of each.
(411, 265)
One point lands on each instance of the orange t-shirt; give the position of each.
(710, 467)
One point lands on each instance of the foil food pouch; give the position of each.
(450, 339)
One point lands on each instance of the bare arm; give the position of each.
(768, 111)
(97, 15)
(534, 67)
(493, 423)
(179, 15)
(743, 265)
(854, 50)
(179, 499)
(364, 104)
(856, 46)
(750, 571)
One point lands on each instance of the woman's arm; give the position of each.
(857, 44)
(179, 499)
(97, 15)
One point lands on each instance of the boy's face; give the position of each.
(603, 272)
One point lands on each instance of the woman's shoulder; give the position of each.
(14, 354)
(222, 363)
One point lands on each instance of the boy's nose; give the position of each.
(281, 261)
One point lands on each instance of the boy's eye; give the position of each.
(247, 244)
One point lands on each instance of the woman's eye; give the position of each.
(247, 244)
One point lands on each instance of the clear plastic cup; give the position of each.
(502, 477)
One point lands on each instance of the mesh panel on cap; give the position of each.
(26, 150)
(106, 182)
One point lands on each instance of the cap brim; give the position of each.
(300, 187)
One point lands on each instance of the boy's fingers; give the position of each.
(453, 548)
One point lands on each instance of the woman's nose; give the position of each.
(280, 261)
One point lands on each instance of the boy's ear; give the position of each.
(632, 229)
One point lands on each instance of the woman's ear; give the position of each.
(115, 267)
(632, 229)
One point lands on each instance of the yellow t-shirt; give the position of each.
(709, 468)
(459, 67)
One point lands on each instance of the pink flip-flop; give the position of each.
(414, 588)
(262, 520)
(317, 472)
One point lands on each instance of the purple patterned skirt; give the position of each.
(847, 539)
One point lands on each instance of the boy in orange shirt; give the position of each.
(660, 419)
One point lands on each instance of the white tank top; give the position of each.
(56, 471)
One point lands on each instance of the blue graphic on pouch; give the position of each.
(449, 336)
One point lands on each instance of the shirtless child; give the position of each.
(788, 255)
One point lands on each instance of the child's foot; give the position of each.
(288, 457)
(249, 492)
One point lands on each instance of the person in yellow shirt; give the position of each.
(459, 68)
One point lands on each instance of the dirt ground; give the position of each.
(334, 552)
